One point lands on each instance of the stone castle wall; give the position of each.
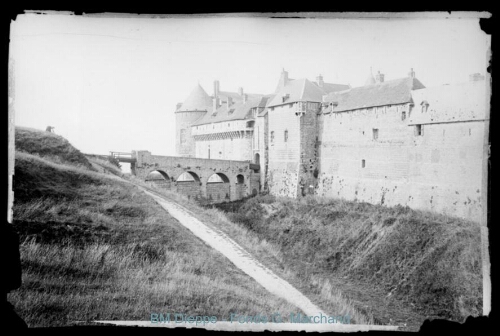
(429, 158)
(284, 156)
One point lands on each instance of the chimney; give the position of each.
(379, 78)
(215, 103)
(283, 81)
(476, 77)
(411, 74)
(284, 76)
(245, 98)
(216, 88)
(178, 106)
(240, 91)
(319, 80)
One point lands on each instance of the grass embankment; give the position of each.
(384, 265)
(107, 165)
(428, 261)
(49, 146)
(322, 291)
(95, 247)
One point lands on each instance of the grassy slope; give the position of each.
(427, 261)
(95, 247)
(50, 146)
(104, 166)
(322, 291)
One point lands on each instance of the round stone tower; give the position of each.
(196, 105)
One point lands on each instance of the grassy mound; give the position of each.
(95, 247)
(50, 146)
(107, 165)
(429, 261)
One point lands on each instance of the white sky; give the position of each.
(112, 84)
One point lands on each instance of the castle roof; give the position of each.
(235, 96)
(397, 91)
(331, 87)
(237, 111)
(266, 105)
(298, 90)
(198, 100)
(304, 90)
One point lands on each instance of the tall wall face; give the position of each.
(262, 147)
(229, 140)
(236, 148)
(428, 160)
(292, 162)
(184, 142)
(309, 139)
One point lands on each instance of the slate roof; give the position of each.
(198, 100)
(266, 108)
(235, 96)
(330, 87)
(397, 91)
(241, 111)
(298, 90)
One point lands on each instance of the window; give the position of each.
(403, 115)
(230, 111)
(286, 135)
(375, 133)
(419, 130)
(183, 135)
(425, 106)
(272, 137)
(301, 107)
(363, 163)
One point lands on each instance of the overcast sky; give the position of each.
(112, 83)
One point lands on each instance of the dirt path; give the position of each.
(239, 257)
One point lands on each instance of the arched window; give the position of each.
(272, 137)
(286, 135)
(257, 158)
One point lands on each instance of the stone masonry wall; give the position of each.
(239, 149)
(218, 191)
(309, 150)
(428, 160)
(261, 126)
(201, 170)
(183, 121)
(284, 156)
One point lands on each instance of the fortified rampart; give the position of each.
(387, 142)
(427, 155)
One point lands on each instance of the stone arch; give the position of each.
(218, 188)
(188, 176)
(158, 178)
(188, 183)
(240, 186)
